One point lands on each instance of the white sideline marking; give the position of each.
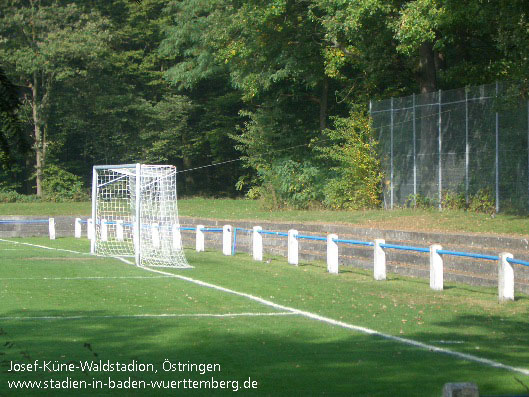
(313, 316)
(65, 250)
(164, 315)
(83, 278)
(357, 328)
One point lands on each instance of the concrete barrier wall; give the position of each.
(470, 271)
(459, 269)
(64, 226)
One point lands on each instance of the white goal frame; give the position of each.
(135, 214)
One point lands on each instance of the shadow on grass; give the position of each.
(286, 355)
(491, 336)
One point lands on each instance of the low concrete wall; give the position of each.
(64, 226)
(459, 269)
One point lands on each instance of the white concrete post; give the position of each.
(90, 232)
(77, 228)
(200, 239)
(379, 260)
(226, 239)
(119, 230)
(155, 233)
(332, 254)
(51, 228)
(293, 247)
(436, 268)
(177, 237)
(104, 230)
(505, 278)
(257, 243)
(136, 240)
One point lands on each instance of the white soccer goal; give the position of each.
(135, 213)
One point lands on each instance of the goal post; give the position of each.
(135, 213)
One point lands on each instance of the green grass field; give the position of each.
(401, 219)
(64, 307)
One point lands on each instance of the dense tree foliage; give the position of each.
(282, 85)
(13, 143)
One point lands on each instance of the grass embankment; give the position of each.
(401, 219)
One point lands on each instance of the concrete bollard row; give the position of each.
(226, 240)
(505, 269)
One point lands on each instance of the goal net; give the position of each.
(135, 213)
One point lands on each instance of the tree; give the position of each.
(270, 54)
(43, 43)
(13, 143)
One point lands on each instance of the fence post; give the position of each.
(199, 239)
(104, 230)
(440, 144)
(257, 243)
(391, 158)
(77, 228)
(155, 235)
(177, 237)
(226, 240)
(293, 247)
(379, 265)
(497, 165)
(332, 254)
(136, 238)
(119, 230)
(414, 153)
(90, 232)
(467, 147)
(505, 278)
(51, 228)
(436, 268)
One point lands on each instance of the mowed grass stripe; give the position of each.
(402, 307)
(286, 355)
(139, 316)
(436, 318)
(64, 288)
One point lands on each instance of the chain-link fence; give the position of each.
(467, 144)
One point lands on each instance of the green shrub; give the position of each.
(454, 201)
(61, 185)
(418, 201)
(290, 184)
(355, 163)
(10, 196)
(483, 201)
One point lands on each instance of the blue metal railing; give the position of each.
(23, 221)
(354, 242)
(315, 238)
(468, 254)
(273, 233)
(405, 248)
(306, 237)
(518, 261)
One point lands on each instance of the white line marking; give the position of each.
(65, 250)
(317, 317)
(83, 278)
(164, 315)
(341, 324)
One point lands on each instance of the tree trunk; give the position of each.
(39, 155)
(187, 164)
(427, 71)
(323, 104)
